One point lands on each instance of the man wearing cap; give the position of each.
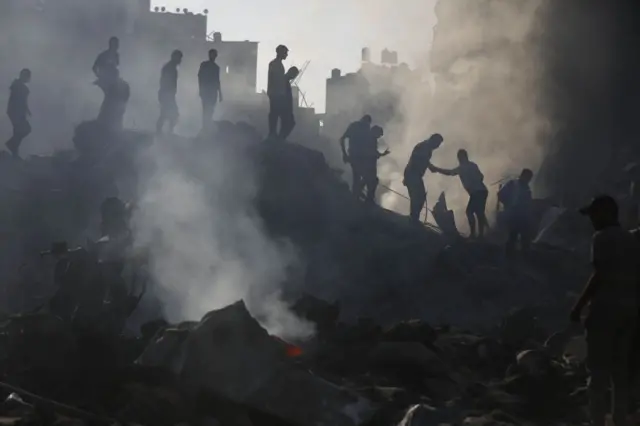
(277, 90)
(611, 294)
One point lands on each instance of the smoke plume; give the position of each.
(207, 244)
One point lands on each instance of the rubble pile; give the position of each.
(226, 369)
(412, 328)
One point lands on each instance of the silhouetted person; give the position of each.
(358, 133)
(368, 163)
(288, 121)
(277, 90)
(517, 199)
(167, 93)
(472, 181)
(419, 162)
(209, 86)
(106, 64)
(18, 111)
(611, 293)
(114, 104)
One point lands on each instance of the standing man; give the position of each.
(18, 111)
(107, 63)
(472, 181)
(167, 93)
(210, 88)
(288, 120)
(517, 199)
(369, 164)
(611, 293)
(419, 162)
(358, 134)
(277, 90)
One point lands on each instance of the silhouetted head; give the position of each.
(292, 73)
(525, 176)
(463, 156)
(282, 51)
(114, 43)
(213, 54)
(366, 119)
(25, 75)
(176, 56)
(435, 140)
(377, 132)
(603, 211)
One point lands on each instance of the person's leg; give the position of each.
(24, 129)
(621, 374)
(287, 125)
(480, 209)
(599, 344)
(512, 238)
(206, 113)
(417, 196)
(273, 116)
(470, 211)
(162, 117)
(11, 143)
(371, 181)
(173, 115)
(357, 185)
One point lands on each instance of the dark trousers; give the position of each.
(476, 210)
(417, 195)
(365, 175)
(168, 112)
(208, 109)
(277, 112)
(21, 129)
(287, 123)
(608, 347)
(519, 229)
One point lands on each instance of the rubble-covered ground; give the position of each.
(411, 328)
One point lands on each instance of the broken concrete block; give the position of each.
(407, 357)
(410, 331)
(230, 354)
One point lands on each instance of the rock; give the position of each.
(533, 362)
(407, 357)
(36, 341)
(410, 331)
(230, 354)
(418, 415)
(518, 327)
(575, 349)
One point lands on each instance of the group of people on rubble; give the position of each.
(117, 92)
(362, 154)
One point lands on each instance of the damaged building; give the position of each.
(376, 89)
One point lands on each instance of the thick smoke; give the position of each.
(207, 244)
(478, 84)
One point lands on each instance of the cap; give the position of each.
(602, 203)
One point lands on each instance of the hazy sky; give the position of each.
(328, 33)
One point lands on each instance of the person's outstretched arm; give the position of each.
(446, 172)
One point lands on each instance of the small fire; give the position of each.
(291, 350)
